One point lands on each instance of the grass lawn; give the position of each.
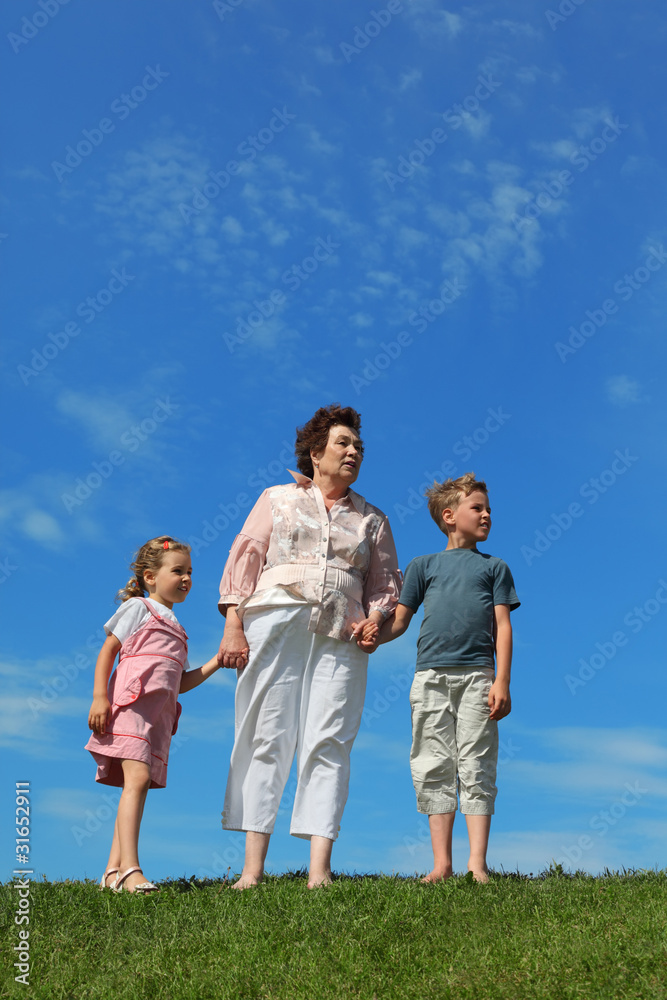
(555, 936)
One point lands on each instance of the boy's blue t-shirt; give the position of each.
(458, 588)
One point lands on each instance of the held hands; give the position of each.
(500, 702)
(366, 634)
(233, 652)
(99, 713)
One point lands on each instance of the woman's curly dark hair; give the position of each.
(314, 435)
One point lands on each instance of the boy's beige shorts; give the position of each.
(454, 743)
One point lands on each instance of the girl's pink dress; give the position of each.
(143, 691)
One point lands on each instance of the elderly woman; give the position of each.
(313, 564)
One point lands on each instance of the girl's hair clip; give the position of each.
(165, 544)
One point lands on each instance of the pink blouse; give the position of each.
(292, 550)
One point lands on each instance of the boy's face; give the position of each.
(471, 521)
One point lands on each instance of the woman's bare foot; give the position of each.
(247, 881)
(437, 875)
(318, 879)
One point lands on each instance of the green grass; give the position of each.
(555, 936)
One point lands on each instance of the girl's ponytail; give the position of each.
(131, 589)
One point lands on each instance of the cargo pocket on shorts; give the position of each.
(130, 693)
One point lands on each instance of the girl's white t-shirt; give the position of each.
(132, 614)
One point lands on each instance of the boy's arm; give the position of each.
(193, 678)
(100, 708)
(396, 625)
(500, 702)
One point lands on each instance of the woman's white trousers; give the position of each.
(302, 693)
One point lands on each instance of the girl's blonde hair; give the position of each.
(149, 557)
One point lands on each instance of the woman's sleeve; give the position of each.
(383, 583)
(247, 556)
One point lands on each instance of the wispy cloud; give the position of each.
(26, 509)
(409, 80)
(433, 24)
(623, 391)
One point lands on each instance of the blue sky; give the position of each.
(218, 217)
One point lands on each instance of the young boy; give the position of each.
(456, 699)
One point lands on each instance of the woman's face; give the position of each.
(341, 459)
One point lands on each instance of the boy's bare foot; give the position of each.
(247, 881)
(479, 874)
(318, 879)
(437, 875)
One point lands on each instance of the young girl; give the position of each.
(134, 721)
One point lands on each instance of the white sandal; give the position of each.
(103, 880)
(143, 888)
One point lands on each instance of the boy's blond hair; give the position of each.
(449, 495)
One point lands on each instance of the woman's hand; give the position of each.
(98, 715)
(233, 652)
(366, 634)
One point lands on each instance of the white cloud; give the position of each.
(232, 229)
(409, 79)
(623, 391)
(215, 727)
(517, 28)
(586, 121)
(24, 507)
(42, 527)
(324, 55)
(362, 319)
(102, 415)
(318, 144)
(452, 223)
(71, 805)
(477, 125)
(29, 173)
(466, 167)
(634, 164)
(36, 696)
(383, 278)
(276, 233)
(558, 150)
(410, 239)
(383, 749)
(305, 87)
(432, 23)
